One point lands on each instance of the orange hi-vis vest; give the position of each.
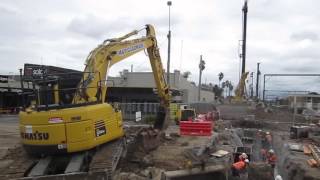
(272, 159)
(240, 165)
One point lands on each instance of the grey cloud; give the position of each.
(304, 35)
(307, 68)
(96, 27)
(303, 54)
(162, 21)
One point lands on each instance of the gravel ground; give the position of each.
(9, 133)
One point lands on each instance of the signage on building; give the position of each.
(32, 71)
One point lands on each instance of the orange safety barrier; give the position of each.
(196, 128)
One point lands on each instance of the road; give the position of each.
(9, 133)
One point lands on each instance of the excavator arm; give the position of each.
(93, 85)
(240, 90)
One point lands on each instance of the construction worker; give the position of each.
(269, 138)
(240, 166)
(260, 133)
(271, 158)
(263, 154)
(243, 157)
(244, 172)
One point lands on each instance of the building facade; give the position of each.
(184, 91)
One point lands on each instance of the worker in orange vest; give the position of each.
(240, 166)
(272, 158)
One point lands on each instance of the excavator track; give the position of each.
(95, 164)
(107, 158)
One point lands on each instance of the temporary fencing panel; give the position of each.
(196, 128)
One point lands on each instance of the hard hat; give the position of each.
(271, 151)
(260, 130)
(244, 155)
(267, 132)
(246, 161)
(278, 177)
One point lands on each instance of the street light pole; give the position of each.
(251, 85)
(244, 36)
(169, 3)
(257, 83)
(201, 68)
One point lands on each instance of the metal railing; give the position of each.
(148, 110)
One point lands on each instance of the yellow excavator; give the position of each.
(240, 92)
(53, 127)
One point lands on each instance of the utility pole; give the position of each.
(169, 3)
(257, 83)
(201, 68)
(244, 35)
(22, 88)
(251, 85)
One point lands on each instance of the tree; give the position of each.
(223, 85)
(227, 87)
(230, 88)
(217, 91)
(220, 75)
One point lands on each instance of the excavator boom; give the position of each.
(112, 51)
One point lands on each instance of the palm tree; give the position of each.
(227, 86)
(220, 75)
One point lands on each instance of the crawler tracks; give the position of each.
(99, 163)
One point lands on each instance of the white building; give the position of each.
(177, 82)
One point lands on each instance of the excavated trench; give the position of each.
(169, 159)
(235, 137)
(291, 160)
(218, 175)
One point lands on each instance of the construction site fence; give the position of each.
(143, 111)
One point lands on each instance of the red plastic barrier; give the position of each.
(196, 128)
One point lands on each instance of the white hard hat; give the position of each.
(271, 151)
(246, 161)
(244, 155)
(278, 177)
(267, 132)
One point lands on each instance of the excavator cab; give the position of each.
(55, 125)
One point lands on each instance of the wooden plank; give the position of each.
(315, 153)
(306, 150)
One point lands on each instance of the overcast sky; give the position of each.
(282, 34)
